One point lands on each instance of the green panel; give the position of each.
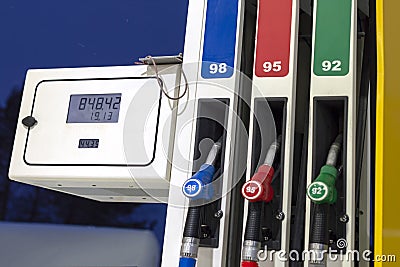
(332, 37)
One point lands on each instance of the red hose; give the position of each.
(249, 264)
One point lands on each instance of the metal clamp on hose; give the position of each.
(250, 253)
(189, 247)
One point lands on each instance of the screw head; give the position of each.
(344, 218)
(219, 214)
(280, 216)
(29, 121)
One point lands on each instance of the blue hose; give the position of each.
(187, 262)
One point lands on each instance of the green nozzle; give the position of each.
(323, 189)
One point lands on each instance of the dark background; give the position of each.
(76, 33)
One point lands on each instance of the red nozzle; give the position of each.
(259, 187)
(249, 264)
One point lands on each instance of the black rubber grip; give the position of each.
(252, 231)
(192, 224)
(319, 229)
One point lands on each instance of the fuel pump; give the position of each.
(197, 189)
(133, 133)
(330, 215)
(322, 193)
(257, 191)
(273, 107)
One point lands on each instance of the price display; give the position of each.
(98, 108)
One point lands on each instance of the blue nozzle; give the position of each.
(187, 262)
(194, 187)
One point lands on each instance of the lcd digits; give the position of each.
(99, 108)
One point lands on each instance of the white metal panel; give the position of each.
(185, 137)
(280, 87)
(52, 151)
(61, 139)
(328, 87)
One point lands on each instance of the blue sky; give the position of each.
(74, 33)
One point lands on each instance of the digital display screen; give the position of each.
(88, 143)
(98, 108)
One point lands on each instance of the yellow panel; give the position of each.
(387, 201)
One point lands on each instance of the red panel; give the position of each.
(273, 38)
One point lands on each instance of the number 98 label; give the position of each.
(212, 70)
(219, 46)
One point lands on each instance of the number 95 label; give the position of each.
(273, 38)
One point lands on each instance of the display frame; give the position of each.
(27, 162)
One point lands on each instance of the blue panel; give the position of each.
(220, 39)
